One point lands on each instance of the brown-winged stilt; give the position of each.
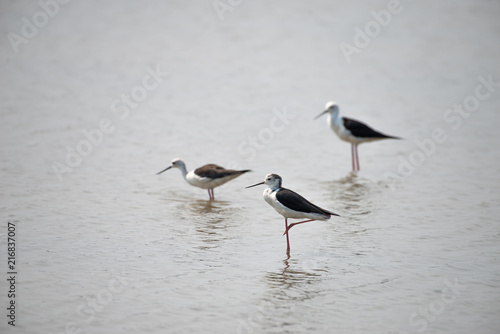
(206, 177)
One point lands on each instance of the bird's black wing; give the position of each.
(215, 172)
(360, 129)
(294, 201)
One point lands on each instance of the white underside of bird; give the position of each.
(205, 182)
(344, 134)
(270, 198)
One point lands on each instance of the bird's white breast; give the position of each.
(270, 198)
(336, 124)
(197, 181)
(205, 182)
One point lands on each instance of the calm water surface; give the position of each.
(106, 246)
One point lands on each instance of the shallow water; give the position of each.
(105, 245)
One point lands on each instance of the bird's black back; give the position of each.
(294, 201)
(360, 129)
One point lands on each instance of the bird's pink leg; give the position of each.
(211, 193)
(293, 224)
(357, 157)
(353, 157)
(287, 239)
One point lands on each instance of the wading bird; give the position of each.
(351, 131)
(289, 204)
(206, 177)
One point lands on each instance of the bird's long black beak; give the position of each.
(324, 112)
(164, 170)
(257, 184)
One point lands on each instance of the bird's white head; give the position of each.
(176, 163)
(331, 108)
(272, 180)
(331, 105)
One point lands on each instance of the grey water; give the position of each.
(97, 97)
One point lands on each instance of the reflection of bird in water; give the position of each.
(206, 220)
(351, 131)
(206, 177)
(288, 278)
(292, 283)
(356, 194)
(201, 206)
(289, 204)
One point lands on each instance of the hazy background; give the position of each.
(104, 245)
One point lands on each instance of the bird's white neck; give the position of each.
(274, 188)
(269, 193)
(183, 170)
(334, 120)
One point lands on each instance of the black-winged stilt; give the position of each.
(206, 177)
(289, 204)
(351, 131)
